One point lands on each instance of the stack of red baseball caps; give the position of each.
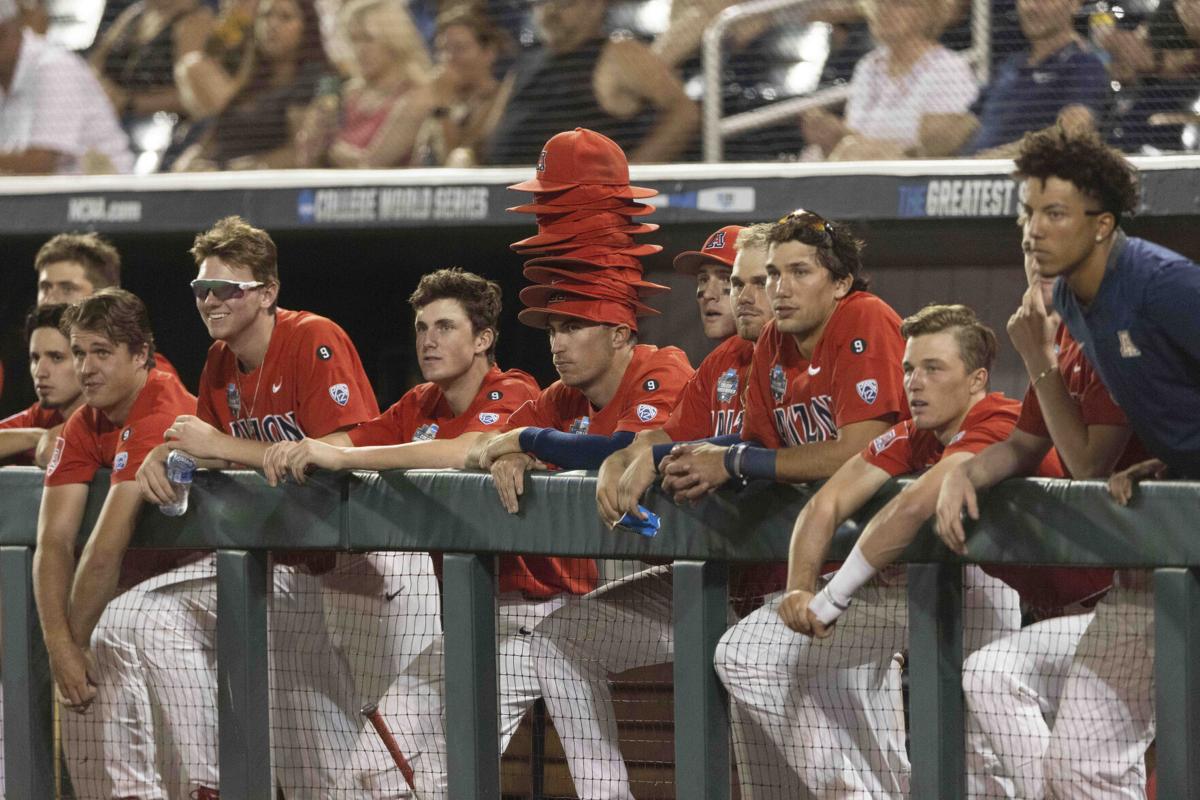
(586, 264)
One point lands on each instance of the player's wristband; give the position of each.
(825, 608)
(528, 438)
(752, 463)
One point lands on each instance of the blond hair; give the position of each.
(394, 28)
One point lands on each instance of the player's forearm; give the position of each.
(1002, 460)
(95, 585)
(53, 569)
(434, 454)
(1067, 429)
(895, 526)
(240, 452)
(18, 440)
(809, 545)
(813, 462)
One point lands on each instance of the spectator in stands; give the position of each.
(209, 78)
(468, 45)
(580, 77)
(906, 82)
(135, 58)
(388, 99)
(1060, 78)
(1157, 65)
(257, 128)
(54, 117)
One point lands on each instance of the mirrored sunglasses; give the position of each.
(223, 290)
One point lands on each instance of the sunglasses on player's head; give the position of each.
(223, 290)
(810, 220)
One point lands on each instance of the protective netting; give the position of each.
(189, 85)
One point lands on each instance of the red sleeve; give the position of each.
(1097, 405)
(994, 428)
(891, 451)
(204, 399)
(657, 392)
(692, 417)
(389, 427)
(757, 425)
(1031, 420)
(499, 403)
(145, 435)
(76, 453)
(541, 412)
(21, 419)
(868, 375)
(162, 364)
(335, 392)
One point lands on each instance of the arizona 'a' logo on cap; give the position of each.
(716, 241)
(541, 165)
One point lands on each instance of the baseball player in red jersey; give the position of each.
(128, 406)
(627, 623)
(457, 316)
(72, 266)
(793, 686)
(1012, 685)
(53, 371)
(271, 375)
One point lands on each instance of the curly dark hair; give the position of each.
(1096, 169)
(479, 297)
(838, 250)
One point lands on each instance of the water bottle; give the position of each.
(181, 468)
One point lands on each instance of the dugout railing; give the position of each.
(1029, 521)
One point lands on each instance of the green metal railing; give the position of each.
(1030, 521)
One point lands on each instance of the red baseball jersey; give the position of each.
(711, 402)
(311, 383)
(33, 417)
(855, 375)
(644, 399)
(161, 363)
(904, 449)
(1096, 405)
(423, 413)
(90, 442)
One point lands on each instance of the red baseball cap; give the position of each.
(630, 277)
(588, 250)
(545, 295)
(615, 204)
(618, 260)
(717, 249)
(578, 158)
(597, 236)
(586, 221)
(605, 312)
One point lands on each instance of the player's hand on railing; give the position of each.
(508, 471)
(957, 491)
(75, 675)
(607, 481)
(301, 458)
(152, 476)
(194, 435)
(507, 443)
(275, 462)
(635, 480)
(693, 470)
(793, 610)
(1121, 484)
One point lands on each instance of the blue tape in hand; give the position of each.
(647, 527)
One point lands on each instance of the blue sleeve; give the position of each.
(572, 450)
(728, 440)
(1172, 297)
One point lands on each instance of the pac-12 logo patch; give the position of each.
(488, 418)
(119, 462)
(59, 444)
(727, 385)
(646, 412)
(883, 442)
(340, 393)
(868, 390)
(778, 383)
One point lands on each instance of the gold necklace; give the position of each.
(237, 376)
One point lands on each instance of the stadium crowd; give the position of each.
(815, 378)
(255, 84)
